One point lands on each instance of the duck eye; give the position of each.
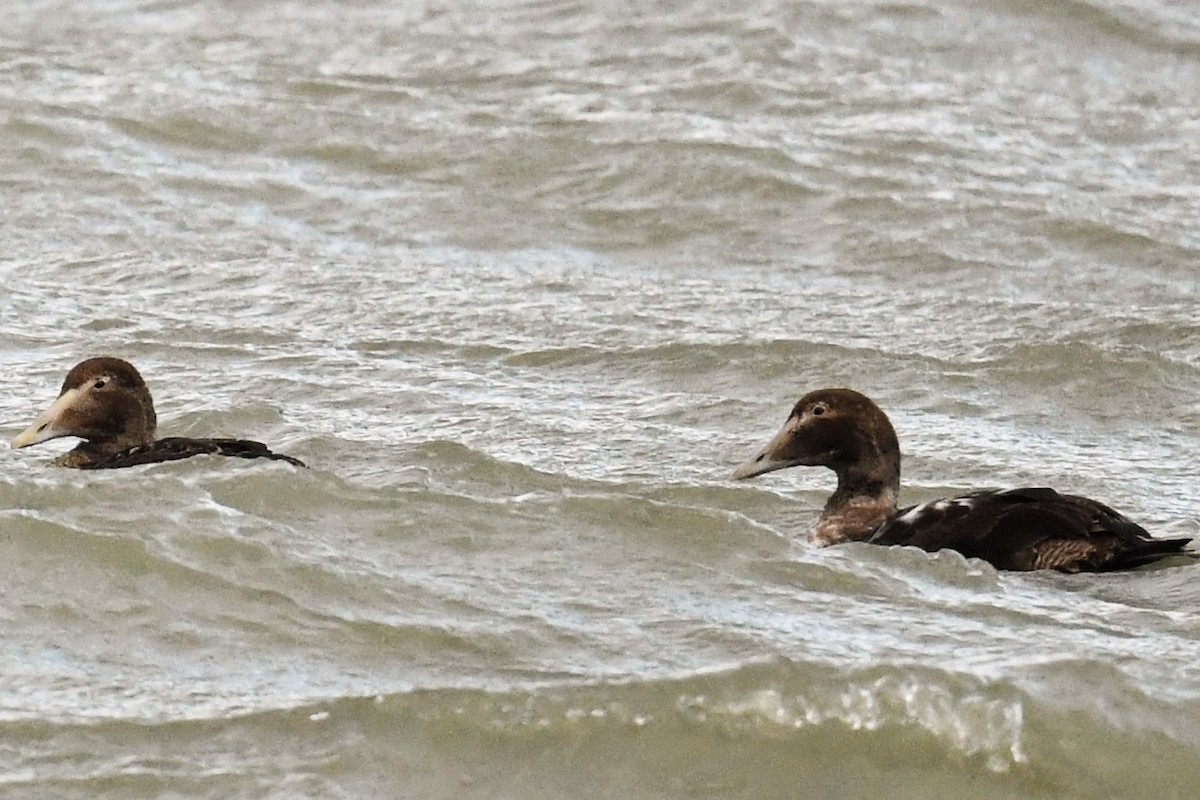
(100, 384)
(818, 410)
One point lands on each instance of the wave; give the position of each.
(767, 729)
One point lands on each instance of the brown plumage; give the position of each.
(105, 402)
(1017, 529)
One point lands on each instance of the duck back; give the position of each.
(1031, 528)
(174, 448)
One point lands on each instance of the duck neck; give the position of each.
(865, 498)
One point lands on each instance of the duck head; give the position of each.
(103, 401)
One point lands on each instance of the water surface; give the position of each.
(523, 282)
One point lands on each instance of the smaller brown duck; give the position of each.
(105, 402)
(1018, 529)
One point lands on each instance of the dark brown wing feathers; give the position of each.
(1025, 529)
(174, 448)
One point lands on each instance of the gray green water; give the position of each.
(523, 282)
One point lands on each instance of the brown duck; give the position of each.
(105, 402)
(1017, 529)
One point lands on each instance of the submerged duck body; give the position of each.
(105, 402)
(1015, 529)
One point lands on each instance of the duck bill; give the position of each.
(49, 425)
(771, 457)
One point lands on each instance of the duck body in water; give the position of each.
(105, 402)
(1014, 529)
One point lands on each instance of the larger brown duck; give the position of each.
(105, 402)
(1017, 529)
